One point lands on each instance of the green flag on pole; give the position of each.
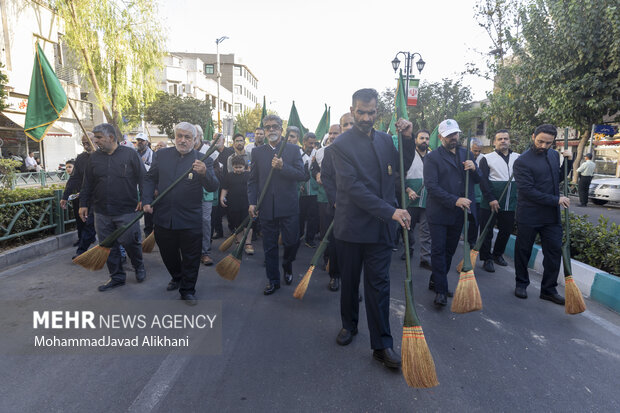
(434, 142)
(323, 127)
(401, 99)
(264, 113)
(47, 99)
(293, 120)
(210, 130)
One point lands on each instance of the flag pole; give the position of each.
(80, 122)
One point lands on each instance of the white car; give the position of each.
(605, 190)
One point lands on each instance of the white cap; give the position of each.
(142, 136)
(448, 127)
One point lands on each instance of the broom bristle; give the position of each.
(467, 295)
(228, 268)
(94, 259)
(228, 242)
(417, 362)
(473, 255)
(280, 240)
(574, 299)
(327, 266)
(301, 288)
(149, 243)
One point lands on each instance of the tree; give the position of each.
(3, 81)
(168, 110)
(249, 120)
(117, 46)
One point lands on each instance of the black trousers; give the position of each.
(86, 230)
(216, 220)
(289, 227)
(584, 188)
(444, 240)
(330, 255)
(551, 240)
(148, 224)
(308, 217)
(375, 260)
(180, 251)
(505, 222)
(473, 228)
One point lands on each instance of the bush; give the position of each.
(596, 245)
(28, 220)
(7, 172)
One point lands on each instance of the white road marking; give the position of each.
(596, 348)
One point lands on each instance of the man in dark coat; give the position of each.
(538, 176)
(366, 163)
(177, 217)
(279, 211)
(444, 177)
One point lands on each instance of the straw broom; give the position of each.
(95, 258)
(149, 243)
(417, 362)
(229, 266)
(574, 299)
(301, 288)
(473, 254)
(228, 242)
(467, 295)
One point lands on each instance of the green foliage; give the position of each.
(249, 120)
(118, 46)
(8, 171)
(3, 82)
(596, 245)
(168, 110)
(27, 220)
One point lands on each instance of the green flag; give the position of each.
(323, 127)
(47, 99)
(293, 120)
(434, 142)
(401, 99)
(380, 126)
(264, 113)
(210, 130)
(392, 127)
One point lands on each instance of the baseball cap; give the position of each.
(142, 136)
(448, 127)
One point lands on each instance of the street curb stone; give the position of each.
(36, 249)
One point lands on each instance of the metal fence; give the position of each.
(41, 178)
(35, 215)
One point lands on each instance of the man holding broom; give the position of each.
(538, 180)
(366, 165)
(279, 211)
(178, 215)
(112, 178)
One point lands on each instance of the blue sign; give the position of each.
(605, 129)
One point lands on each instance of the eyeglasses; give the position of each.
(271, 127)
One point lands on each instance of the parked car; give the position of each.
(604, 190)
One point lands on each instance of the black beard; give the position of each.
(422, 148)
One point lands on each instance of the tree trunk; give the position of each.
(577, 159)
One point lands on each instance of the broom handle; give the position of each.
(488, 224)
(319, 251)
(566, 247)
(466, 248)
(268, 181)
(403, 202)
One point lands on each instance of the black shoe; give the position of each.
(488, 266)
(426, 265)
(334, 284)
(288, 278)
(431, 286)
(271, 288)
(388, 357)
(189, 299)
(520, 292)
(140, 274)
(310, 244)
(111, 284)
(500, 261)
(441, 300)
(345, 336)
(555, 298)
(173, 285)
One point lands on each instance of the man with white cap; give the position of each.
(444, 177)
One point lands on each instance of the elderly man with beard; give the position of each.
(112, 180)
(538, 180)
(279, 211)
(178, 215)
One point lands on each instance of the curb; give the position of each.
(594, 283)
(34, 249)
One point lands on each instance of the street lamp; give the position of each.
(219, 75)
(408, 64)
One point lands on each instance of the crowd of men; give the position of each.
(294, 187)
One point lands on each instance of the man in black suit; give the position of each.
(538, 180)
(279, 211)
(444, 177)
(178, 215)
(366, 163)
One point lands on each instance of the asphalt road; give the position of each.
(279, 353)
(593, 212)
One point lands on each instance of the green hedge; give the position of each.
(596, 245)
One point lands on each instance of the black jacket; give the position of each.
(111, 182)
(74, 184)
(181, 208)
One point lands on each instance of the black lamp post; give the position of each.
(408, 64)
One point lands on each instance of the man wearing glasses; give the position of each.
(279, 211)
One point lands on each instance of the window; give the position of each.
(209, 69)
(479, 127)
(238, 89)
(237, 70)
(173, 89)
(238, 107)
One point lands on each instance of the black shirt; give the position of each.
(237, 187)
(74, 184)
(111, 182)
